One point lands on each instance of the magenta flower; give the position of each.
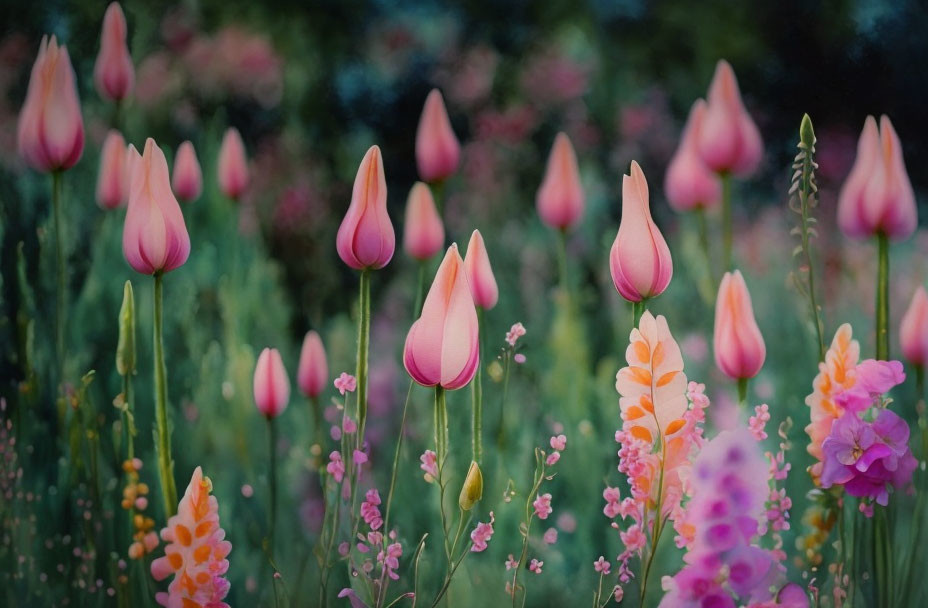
(542, 506)
(874, 378)
(370, 509)
(336, 466)
(559, 442)
(552, 458)
(535, 566)
(346, 383)
(602, 566)
(481, 535)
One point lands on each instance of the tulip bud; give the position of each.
(877, 197)
(133, 158)
(560, 197)
(423, 234)
(729, 141)
(365, 238)
(689, 184)
(437, 148)
(479, 273)
(113, 178)
(271, 385)
(640, 259)
(187, 179)
(738, 343)
(233, 165)
(113, 72)
(50, 134)
(913, 331)
(472, 490)
(125, 347)
(313, 372)
(154, 237)
(441, 347)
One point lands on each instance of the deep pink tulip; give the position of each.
(877, 197)
(50, 134)
(233, 165)
(423, 233)
(913, 331)
(187, 179)
(113, 178)
(560, 197)
(480, 273)
(689, 183)
(441, 347)
(365, 238)
(437, 147)
(154, 237)
(113, 72)
(640, 259)
(739, 345)
(729, 141)
(272, 387)
(313, 372)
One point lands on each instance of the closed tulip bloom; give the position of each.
(437, 147)
(113, 179)
(365, 238)
(423, 234)
(640, 259)
(690, 184)
(50, 134)
(187, 179)
(877, 197)
(739, 345)
(441, 347)
(729, 141)
(560, 197)
(313, 372)
(113, 72)
(233, 165)
(133, 158)
(913, 331)
(272, 387)
(154, 237)
(480, 273)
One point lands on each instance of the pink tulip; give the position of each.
(154, 237)
(113, 72)
(437, 148)
(441, 347)
(739, 345)
(233, 165)
(133, 158)
(365, 238)
(479, 273)
(689, 184)
(113, 179)
(640, 259)
(729, 141)
(423, 234)
(877, 197)
(187, 179)
(313, 372)
(50, 134)
(560, 197)
(913, 331)
(272, 387)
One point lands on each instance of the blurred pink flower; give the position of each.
(187, 178)
(113, 72)
(479, 272)
(232, 166)
(346, 383)
(113, 178)
(423, 232)
(271, 384)
(437, 149)
(313, 368)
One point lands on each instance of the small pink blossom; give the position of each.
(391, 559)
(535, 566)
(618, 593)
(370, 510)
(612, 508)
(514, 333)
(542, 506)
(343, 549)
(336, 467)
(602, 566)
(559, 442)
(758, 421)
(634, 538)
(430, 465)
(359, 457)
(511, 562)
(336, 433)
(346, 383)
(866, 508)
(519, 358)
(480, 536)
(552, 458)
(550, 536)
(349, 425)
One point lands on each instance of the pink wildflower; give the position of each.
(346, 383)
(542, 506)
(602, 566)
(430, 465)
(336, 466)
(519, 358)
(370, 510)
(480, 536)
(559, 443)
(552, 458)
(612, 496)
(535, 566)
(550, 536)
(511, 562)
(514, 333)
(349, 425)
(758, 422)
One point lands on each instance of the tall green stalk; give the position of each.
(705, 284)
(476, 388)
(272, 514)
(882, 299)
(883, 559)
(165, 462)
(441, 453)
(726, 221)
(742, 391)
(638, 309)
(61, 274)
(562, 263)
(364, 332)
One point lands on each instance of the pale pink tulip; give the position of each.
(154, 237)
(50, 134)
(913, 331)
(313, 372)
(233, 165)
(560, 198)
(877, 197)
(113, 72)
(271, 385)
(729, 141)
(187, 179)
(133, 158)
(113, 178)
(640, 259)
(423, 233)
(739, 345)
(437, 147)
(480, 273)
(365, 238)
(690, 184)
(441, 347)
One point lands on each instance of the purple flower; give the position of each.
(874, 378)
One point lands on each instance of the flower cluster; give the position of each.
(515, 332)
(370, 509)
(135, 500)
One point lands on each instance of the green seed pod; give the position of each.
(472, 490)
(125, 349)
